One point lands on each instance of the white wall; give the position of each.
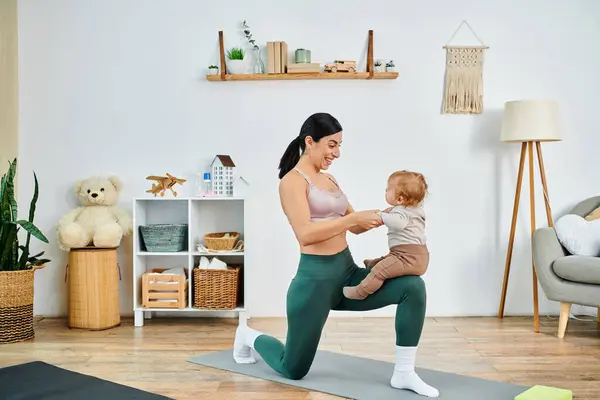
(116, 86)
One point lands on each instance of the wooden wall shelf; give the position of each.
(370, 73)
(303, 76)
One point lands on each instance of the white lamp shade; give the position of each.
(531, 121)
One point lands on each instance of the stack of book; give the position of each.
(277, 57)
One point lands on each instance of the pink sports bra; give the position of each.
(325, 205)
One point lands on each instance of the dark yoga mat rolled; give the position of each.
(38, 380)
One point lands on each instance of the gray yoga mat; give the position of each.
(366, 379)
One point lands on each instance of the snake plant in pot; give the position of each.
(17, 264)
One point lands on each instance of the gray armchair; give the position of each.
(566, 278)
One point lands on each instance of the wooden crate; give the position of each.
(164, 290)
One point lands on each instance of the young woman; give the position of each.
(320, 215)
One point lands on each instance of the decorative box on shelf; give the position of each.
(161, 290)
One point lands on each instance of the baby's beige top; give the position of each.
(406, 225)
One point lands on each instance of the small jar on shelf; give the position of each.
(204, 185)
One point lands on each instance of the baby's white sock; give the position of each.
(243, 344)
(405, 376)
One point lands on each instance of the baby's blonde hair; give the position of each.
(410, 186)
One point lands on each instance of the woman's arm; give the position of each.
(357, 229)
(292, 194)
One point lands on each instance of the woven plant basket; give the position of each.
(216, 289)
(16, 305)
(216, 241)
(164, 237)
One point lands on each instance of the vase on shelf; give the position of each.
(259, 65)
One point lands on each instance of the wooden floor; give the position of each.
(153, 358)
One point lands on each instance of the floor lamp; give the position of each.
(529, 122)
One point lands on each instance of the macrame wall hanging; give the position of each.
(463, 87)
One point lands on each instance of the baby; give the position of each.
(405, 221)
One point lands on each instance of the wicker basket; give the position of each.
(88, 306)
(216, 289)
(217, 241)
(164, 237)
(16, 305)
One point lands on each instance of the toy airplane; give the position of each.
(164, 183)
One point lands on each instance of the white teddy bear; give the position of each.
(98, 222)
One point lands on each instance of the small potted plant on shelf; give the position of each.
(379, 66)
(390, 67)
(236, 61)
(213, 70)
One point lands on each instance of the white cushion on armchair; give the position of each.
(578, 236)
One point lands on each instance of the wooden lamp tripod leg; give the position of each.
(527, 146)
(536, 315)
(544, 184)
(548, 210)
(512, 231)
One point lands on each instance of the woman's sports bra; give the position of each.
(325, 205)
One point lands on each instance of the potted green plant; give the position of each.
(17, 264)
(213, 70)
(379, 66)
(236, 61)
(390, 67)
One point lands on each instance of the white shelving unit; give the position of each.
(203, 215)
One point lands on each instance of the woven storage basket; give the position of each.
(16, 305)
(93, 301)
(164, 237)
(216, 289)
(217, 241)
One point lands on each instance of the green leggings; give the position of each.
(316, 289)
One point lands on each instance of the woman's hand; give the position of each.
(368, 219)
